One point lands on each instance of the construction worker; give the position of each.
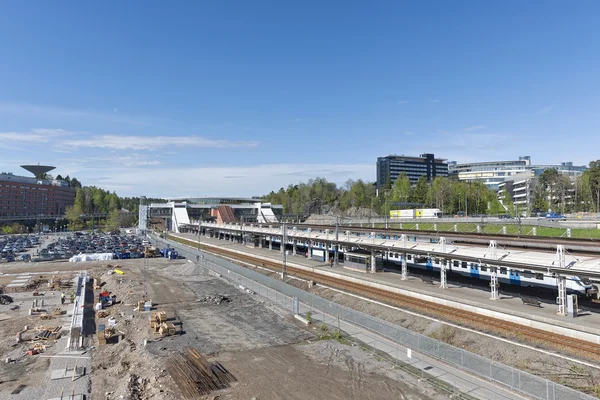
(331, 262)
(62, 298)
(72, 297)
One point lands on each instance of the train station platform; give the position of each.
(469, 298)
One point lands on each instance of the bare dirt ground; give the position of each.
(572, 374)
(270, 356)
(24, 370)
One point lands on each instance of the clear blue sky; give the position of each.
(239, 98)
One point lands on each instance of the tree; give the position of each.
(401, 189)
(548, 179)
(419, 192)
(507, 202)
(74, 183)
(73, 215)
(594, 182)
(114, 221)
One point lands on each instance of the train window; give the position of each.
(396, 255)
(464, 264)
(503, 270)
(475, 266)
(527, 274)
(483, 268)
(409, 257)
(455, 263)
(437, 261)
(539, 276)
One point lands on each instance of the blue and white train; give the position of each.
(506, 275)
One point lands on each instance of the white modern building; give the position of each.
(493, 173)
(185, 211)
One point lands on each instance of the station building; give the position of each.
(184, 211)
(392, 166)
(30, 196)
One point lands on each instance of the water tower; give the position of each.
(39, 171)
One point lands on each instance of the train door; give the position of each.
(474, 270)
(429, 264)
(515, 278)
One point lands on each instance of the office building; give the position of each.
(30, 196)
(493, 173)
(391, 167)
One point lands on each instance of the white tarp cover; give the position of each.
(92, 257)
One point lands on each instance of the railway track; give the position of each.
(574, 244)
(565, 344)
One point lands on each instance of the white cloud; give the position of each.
(113, 162)
(219, 181)
(39, 135)
(117, 142)
(474, 128)
(62, 141)
(62, 113)
(546, 110)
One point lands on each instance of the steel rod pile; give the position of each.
(195, 376)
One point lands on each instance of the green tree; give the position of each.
(74, 183)
(73, 215)
(594, 183)
(401, 189)
(507, 202)
(114, 221)
(419, 192)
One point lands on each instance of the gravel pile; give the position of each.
(5, 299)
(215, 299)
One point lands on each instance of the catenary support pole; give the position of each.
(404, 275)
(443, 266)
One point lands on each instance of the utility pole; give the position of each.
(199, 231)
(336, 254)
(283, 241)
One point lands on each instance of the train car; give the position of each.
(508, 276)
(417, 213)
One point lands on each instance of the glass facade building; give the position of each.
(391, 167)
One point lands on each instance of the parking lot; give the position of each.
(17, 247)
(63, 247)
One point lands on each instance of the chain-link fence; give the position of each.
(282, 293)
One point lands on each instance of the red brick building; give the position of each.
(22, 196)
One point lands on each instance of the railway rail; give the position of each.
(521, 241)
(565, 344)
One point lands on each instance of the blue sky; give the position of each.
(240, 98)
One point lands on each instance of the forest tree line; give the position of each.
(551, 191)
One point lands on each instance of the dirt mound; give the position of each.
(215, 299)
(5, 299)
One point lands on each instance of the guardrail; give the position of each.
(513, 378)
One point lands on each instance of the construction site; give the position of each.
(163, 328)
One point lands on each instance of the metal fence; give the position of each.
(513, 378)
